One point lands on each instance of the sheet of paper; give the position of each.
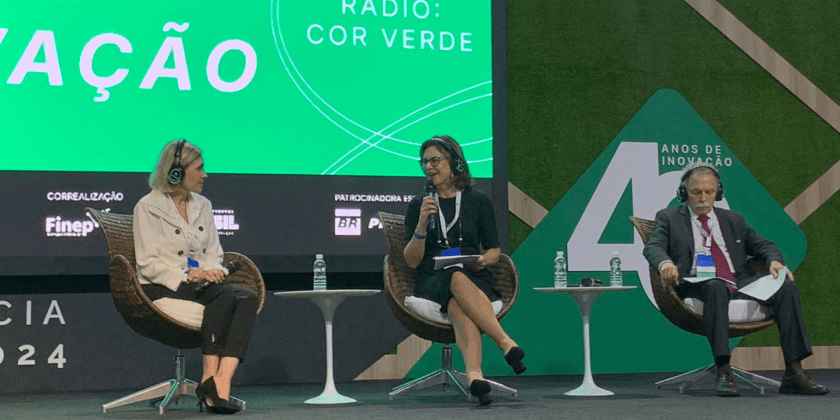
(446, 262)
(765, 287)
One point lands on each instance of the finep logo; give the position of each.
(59, 227)
(225, 220)
(348, 222)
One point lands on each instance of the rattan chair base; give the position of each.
(165, 392)
(707, 373)
(446, 376)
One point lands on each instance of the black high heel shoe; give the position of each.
(514, 358)
(200, 393)
(481, 389)
(219, 405)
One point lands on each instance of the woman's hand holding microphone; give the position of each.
(427, 209)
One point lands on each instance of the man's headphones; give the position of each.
(682, 190)
(456, 161)
(176, 171)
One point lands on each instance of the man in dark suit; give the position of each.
(698, 228)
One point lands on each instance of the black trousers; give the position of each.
(786, 309)
(229, 315)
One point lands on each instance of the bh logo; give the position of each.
(225, 220)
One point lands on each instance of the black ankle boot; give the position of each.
(481, 389)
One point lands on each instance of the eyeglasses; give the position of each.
(435, 161)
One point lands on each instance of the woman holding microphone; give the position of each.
(464, 219)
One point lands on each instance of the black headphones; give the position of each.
(682, 190)
(176, 171)
(456, 161)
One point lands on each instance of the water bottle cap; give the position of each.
(319, 256)
(559, 253)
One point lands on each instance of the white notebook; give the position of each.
(442, 262)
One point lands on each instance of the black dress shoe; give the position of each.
(481, 389)
(514, 358)
(726, 386)
(200, 389)
(798, 382)
(210, 399)
(200, 392)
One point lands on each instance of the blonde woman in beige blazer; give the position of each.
(179, 257)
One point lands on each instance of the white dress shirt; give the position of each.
(701, 245)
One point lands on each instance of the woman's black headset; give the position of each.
(456, 161)
(682, 190)
(176, 171)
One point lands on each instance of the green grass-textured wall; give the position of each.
(579, 71)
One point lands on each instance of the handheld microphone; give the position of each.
(232, 267)
(430, 190)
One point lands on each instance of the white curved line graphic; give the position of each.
(379, 133)
(409, 125)
(274, 12)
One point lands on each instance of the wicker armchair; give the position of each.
(146, 318)
(400, 281)
(683, 316)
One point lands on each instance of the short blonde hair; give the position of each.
(159, 179)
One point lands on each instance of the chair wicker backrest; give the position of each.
(135, 307)
(119, 233)
(675, 310)
(400, 281)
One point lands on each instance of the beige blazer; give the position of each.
(163, 240)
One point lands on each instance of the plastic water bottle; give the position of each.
(615, 271)
(560, 275)
(319, 269)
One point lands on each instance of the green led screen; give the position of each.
(320, 87)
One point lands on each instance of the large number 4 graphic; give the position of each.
(635, 164)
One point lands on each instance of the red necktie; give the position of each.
(721, 265)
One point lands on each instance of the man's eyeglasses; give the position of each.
(435, 161)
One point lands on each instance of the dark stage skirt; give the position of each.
(435, 286)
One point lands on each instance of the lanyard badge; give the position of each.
(451, 252)
(444, 227)
(191, 263)
(705, 265)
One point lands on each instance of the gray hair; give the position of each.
(696, 167)
(159, 179)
